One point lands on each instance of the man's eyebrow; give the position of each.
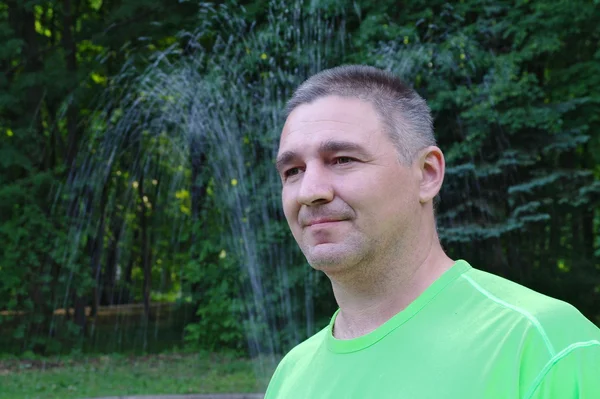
(284, 159)
(337, 146)
(329, 146)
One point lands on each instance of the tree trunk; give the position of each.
(146, 254)
(110, 273)
(22, 21)
(79, 306)
(587, 226)
(57, 150)
(70, 48)
(198, 190)
(109, 279)
(126, 296)
(98, 249)
(33, 64)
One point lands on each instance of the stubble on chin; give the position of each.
(335, 257)
(323, 262)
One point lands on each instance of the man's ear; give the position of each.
(433, 167)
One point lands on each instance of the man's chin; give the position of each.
(328, 256)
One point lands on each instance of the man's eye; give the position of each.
(342, 160)
(291, 172)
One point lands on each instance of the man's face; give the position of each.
(346, 196)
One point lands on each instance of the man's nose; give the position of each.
(315, 187)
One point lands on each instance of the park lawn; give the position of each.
(120, 375)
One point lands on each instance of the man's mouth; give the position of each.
(321, 221)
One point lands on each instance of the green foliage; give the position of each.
(26, 264)
(136, 154)
(215, 282)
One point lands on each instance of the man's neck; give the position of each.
(370, 300)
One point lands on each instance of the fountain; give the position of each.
(201, 126)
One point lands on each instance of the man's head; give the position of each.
(404, 114)
(348, 197)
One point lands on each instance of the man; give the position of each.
(360, 171)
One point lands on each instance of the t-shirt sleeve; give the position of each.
(574, 373)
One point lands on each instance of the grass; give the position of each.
(88, 377)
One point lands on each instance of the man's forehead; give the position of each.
(330, 116)
(336, 109)
(323, 139)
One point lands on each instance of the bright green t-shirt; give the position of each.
(470, 334)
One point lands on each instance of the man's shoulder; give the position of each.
(517, 297)
(556, 321)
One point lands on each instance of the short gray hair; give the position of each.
(403, 112)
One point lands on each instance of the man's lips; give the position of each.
(321, 221)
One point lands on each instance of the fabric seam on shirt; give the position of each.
(559, 356)
(525, 313)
